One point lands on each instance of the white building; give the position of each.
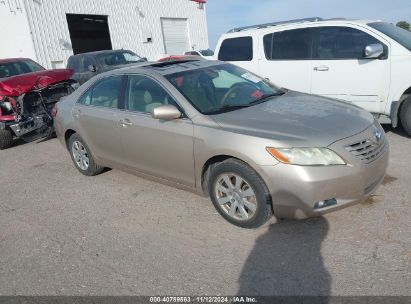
(49, 31)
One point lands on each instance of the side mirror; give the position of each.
(373, 51)
(166, 112)
(144, 59)
(92, 68)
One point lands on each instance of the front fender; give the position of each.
(210, 142)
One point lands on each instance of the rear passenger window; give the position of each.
(86, 98)
(87, 61)
(288, 45)
(74, 63)
(236, 49)
(105, 93)
(336, 42)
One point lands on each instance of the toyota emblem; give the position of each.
(377, 134)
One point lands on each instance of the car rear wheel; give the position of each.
(405, 115)
(239, 194)
(82, 158)
(6, 139)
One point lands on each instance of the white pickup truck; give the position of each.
(364, 62)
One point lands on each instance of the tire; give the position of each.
(232, 198)
(80, 152)
(6, 139)
(405, 115)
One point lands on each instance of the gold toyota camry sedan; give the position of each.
(255, 149)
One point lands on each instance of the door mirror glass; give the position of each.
(165, 112)
(373, 51)
(92, 68)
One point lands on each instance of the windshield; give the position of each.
(118, 58)
(400, 35)
(13, 68)
(222, 88)
(207, 53)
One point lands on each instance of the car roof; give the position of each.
(314, 21)
(100, 52)
(6, 60)
(166, 67)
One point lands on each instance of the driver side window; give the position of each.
(144, 94)
(337, 42)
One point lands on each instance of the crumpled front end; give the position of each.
(26, 102)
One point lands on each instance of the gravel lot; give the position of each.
(62, 233)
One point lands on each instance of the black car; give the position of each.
(86, 65)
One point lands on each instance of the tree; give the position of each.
(404, 24)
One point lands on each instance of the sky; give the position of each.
(223, 15)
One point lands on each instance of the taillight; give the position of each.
(54, 111)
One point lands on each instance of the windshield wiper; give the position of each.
(265, 97)
(229, 107)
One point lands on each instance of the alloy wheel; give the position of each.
(80, 155)
(235, 196)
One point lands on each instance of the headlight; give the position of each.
(306, 156)
(6, 105)
(6, 108)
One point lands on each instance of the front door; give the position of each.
(157, 147)
(340, 70)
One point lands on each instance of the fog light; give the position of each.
(325, 203)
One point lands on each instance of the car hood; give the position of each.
(299, 120)
(20, 84)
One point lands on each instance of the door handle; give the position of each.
(126, 122)
(77, 112)
(321, 68)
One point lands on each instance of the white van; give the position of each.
(364, 62)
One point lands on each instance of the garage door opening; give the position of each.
(88, 33)
(175, 36)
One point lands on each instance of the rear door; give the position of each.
(96, 114)
(157, 147)
(286, 59)
(341, 71)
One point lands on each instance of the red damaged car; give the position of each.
(28, 93)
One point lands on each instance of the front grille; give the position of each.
(367, 150)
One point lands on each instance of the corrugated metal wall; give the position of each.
(129, 21)
(15, 31)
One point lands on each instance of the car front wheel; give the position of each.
(239, 194)
(82, 158)
(405, 115)
(6, 139)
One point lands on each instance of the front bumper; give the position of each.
(296, 189)
(58, 129)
